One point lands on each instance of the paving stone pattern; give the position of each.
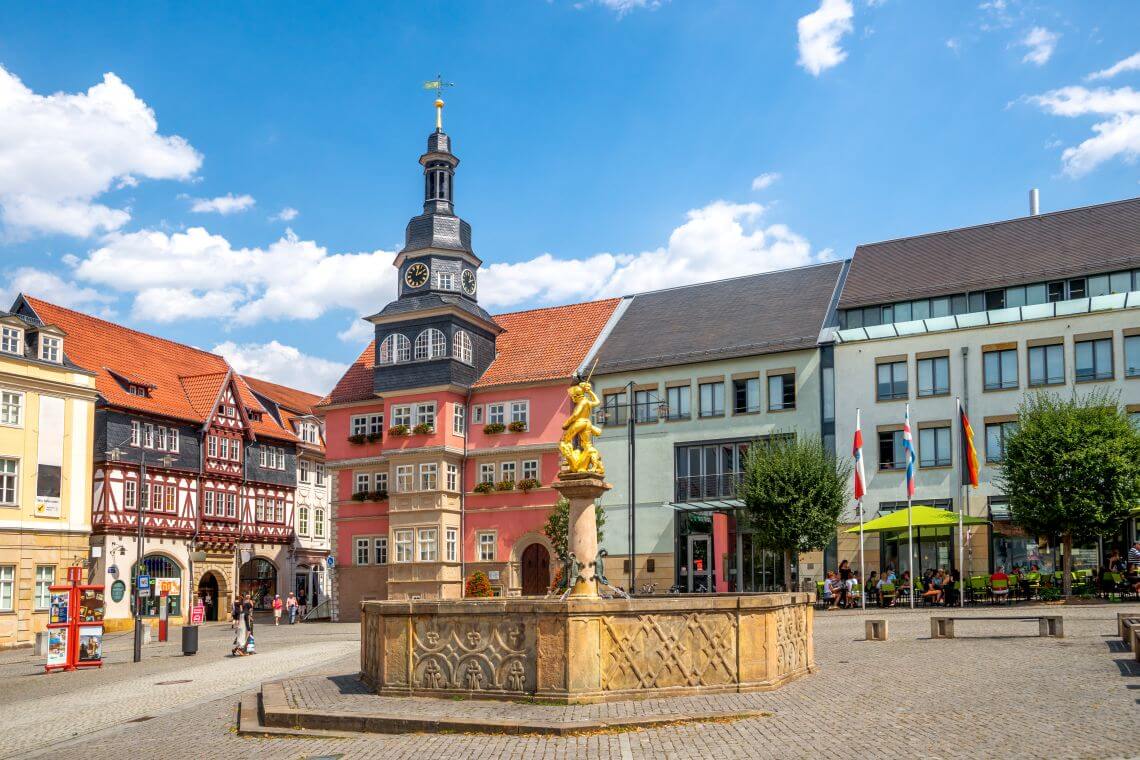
(1001, 697)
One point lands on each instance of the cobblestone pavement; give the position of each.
(1001, 696)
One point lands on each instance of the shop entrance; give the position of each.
(535, 570)
(259, 581)
(208, 593)
(700, 557)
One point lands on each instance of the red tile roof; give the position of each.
(186, 381)
(533, 347)
(292, 399)
(546, 344)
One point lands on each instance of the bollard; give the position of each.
(876, 630)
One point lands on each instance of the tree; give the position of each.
(478, 585)
(1071, 469)
(556, 528)
(794, 491)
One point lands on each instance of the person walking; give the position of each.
(301, 603)
(291, 605)
(236, 612)
(278, 607)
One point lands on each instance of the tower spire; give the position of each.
(438, 84)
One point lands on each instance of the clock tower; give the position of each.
(435, 332)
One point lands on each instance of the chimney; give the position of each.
(1034, 202)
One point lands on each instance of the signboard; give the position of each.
(59, 600)
(118, 591)
(168, 586)
(91, 605)
(57, 648)
(143, 583)
(48, 506)
(197, 614)
(330, 562)
(492, 575)
(90, 643)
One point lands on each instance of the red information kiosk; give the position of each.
(75, 624)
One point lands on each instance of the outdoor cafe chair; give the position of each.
(979, 588)
(1000, 589)
(887, 594)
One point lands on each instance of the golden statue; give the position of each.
(577, 445)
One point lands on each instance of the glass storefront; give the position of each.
(694, 550)
(933, 550)
(165, 575)
(259, 580)
(1013, 549)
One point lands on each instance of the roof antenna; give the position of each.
(1034, 202)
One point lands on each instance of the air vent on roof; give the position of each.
(1034, 202)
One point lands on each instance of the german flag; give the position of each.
(969, 453)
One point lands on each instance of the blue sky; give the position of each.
(607, 147)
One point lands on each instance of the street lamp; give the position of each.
(115, 455)
(631, 421)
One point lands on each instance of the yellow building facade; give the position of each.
(47, 413)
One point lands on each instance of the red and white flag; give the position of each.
(857, 453)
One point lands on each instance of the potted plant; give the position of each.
(360, 496)
(493, 428)
(505, 485)
(423, 429)
(518, 426)
(398, 430)
(375, 437)
(527, 484)
(478, 586)
(484, 487)
(358, 438)
(378, 495)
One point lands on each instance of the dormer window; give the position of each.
(254, 415)
(138, 390)
(11, 340)
(51, 349)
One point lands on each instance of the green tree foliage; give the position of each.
(556, 527)
(1071, 468)
(794, 492)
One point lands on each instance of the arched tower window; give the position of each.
(431, 344)
(461, 348)
(395, 348)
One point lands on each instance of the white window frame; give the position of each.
(173, 440)
(485, 542)
(452, 477)
(380, 479)
(303, 520)
(304, 470)
(41, 597)
(497, 413)
(11, 340)
(461, 347)
(148, 436)
(427, 544)
(362, 479)
(11, 408)
(520, 412)
(487, 472)
(459, 419)
(363, 552)
(508, 471)
(402, 415)
(207, 502)
(429, 476)
(425, 414)
(358, 424)
(403, 539)
(380, 550)
(319, 522)
(131, 495)
(477, 414)
(136, 433)
(451, 544)
(530, 469)
(430, 344)
(405, 477)
(9, 481)
(7, 588)
(51, 349)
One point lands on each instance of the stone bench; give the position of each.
(942, 627)
(876, 630)
(1129, 625)
(1121, 617)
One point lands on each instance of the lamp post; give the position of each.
(115, 454)
(631, 421)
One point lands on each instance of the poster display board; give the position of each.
(75, 624)
(197, 614)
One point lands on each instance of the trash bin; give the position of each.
(189, 639)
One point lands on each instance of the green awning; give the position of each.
(921, 517)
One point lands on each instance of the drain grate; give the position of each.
(170, 683)
(142, 719)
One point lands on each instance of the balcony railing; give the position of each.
(708, 487)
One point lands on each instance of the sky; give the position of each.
(237, 176)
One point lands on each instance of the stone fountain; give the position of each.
(584, 647)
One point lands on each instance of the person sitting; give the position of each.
(999, 576)
(932, 588)
(827, 590)
(853, 589)
(872, 589)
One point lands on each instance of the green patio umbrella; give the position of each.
(921, 517)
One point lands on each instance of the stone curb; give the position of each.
(271, 715)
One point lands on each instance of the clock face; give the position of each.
(469, 282)
(416, 275)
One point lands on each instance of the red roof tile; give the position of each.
(290, 398)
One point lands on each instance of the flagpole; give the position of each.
(909, 518)
(859, 507)
(962, 491)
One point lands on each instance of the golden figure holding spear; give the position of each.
(577, 446)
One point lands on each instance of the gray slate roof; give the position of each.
(745, 316)
(431, 301)
(1031, 249)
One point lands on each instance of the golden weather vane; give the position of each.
(438, 84)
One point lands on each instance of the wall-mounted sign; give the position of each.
(143, 583)
(330, 562)
(492, 575)
(48, 506)
(118, 591)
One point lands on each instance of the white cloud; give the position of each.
(719, 240)
(820, 33)
(358, 331)
(954, 44)
(622, 7)
(1117, 136)
(223, 204)
(286, 214)
(51, 287)
(282, 364)
(193, 271)
(60, 152)
(1041, 43)
(1131, 63)
(765, 180)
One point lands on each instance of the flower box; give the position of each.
(484, 487)
(398, 431)
(375, 437)
(423, 429)
(494, 428)
(517, 427)
(528, 484)
(505, 485)
(377, 495)
(360, 496)
(357, 439)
